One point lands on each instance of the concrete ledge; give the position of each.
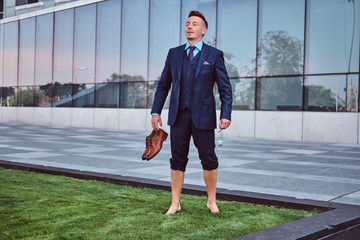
(338, 221)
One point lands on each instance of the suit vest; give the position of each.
(187, 79)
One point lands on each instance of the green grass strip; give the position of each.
(40, 206)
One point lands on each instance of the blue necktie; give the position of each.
(191, 54)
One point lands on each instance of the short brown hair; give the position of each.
(198, 14)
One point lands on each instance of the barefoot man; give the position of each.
(192, 70)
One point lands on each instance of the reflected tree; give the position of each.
(7, 93)
(320, 98)
(282, 55)
(133, 90)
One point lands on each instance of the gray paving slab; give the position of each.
(304, 170)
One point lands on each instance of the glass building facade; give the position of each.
(281, 55)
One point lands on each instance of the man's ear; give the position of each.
(204, 31)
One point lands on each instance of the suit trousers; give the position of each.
(204, 140)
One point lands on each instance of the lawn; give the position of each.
(40, 206)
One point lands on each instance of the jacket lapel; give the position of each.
(203, 55)
(179, 58)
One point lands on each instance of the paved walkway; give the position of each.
(306, 170)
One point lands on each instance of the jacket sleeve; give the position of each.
(163, 87)
(224, 87)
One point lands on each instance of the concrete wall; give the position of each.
(292, 126)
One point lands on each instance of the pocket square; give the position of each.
(206, 63)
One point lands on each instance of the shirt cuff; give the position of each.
(155, 114)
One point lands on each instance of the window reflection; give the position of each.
(25, 96)
(8, 96)
(27, 52)
(83, 95)
(10, 54)
(133, 92)
(44, 46)
(84, 44)
(1, 54)
(33, 72)
(239, 48)
(333, 36)
(166, 32)
(41, 97)
(208, 9)
(134, 37)
(339, 93)
(61, 94)
(283, 94)
(243, 93)
(107, 95)
(108, 39)
(63, 46)
(281, 34)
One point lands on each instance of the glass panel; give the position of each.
(134, 44)
(8, 96)
(44, 48)
(43, 95)
(63, 46)
(208, 9)
(239, 48)
(133, 94)
(107, 95)
(280, 94)
(84, 44)
(10, 54)
(27, 52)
(1, 54)
(83, 95)
(62, 95)
(338, 93)
(332, 39)
(281, 34)
(164, 29)
(25, 96)
(243, 93)
(108, 40)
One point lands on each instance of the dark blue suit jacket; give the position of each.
(210, 69)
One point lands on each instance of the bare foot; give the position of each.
(213, 208)
(173, 210)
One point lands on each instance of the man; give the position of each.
(192, 69)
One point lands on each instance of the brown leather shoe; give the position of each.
(148, 144)
(156, 143)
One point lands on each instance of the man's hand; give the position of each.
(224, 123)
(155, 122)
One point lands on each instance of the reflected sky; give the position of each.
(63, 46)
(10, 54)
(164, 33)
(1, 53)
(328, 45)
(239, 43)
(84, 44)
(134, 44)
(108, 40)
(44, 44)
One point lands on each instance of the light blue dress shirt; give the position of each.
(198, 47)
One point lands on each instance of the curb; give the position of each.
(338, 221)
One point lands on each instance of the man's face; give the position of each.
(195, 29)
